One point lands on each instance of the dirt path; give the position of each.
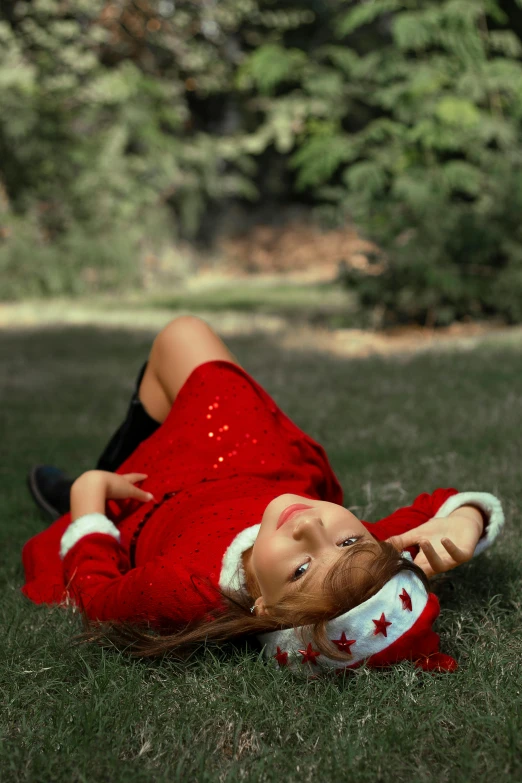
(357, 342)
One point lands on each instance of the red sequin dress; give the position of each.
(222, 454)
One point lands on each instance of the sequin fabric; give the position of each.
(225, 469)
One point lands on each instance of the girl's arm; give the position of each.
(96, 568)
(98, 579)
(444, 542)
(450, 527)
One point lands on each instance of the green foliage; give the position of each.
(320, 156)
(416, 139)
(364, 13)
(92, 142)
(455, 261)
(401, 115)
(75, 263)
(442, 197)
(268, 66)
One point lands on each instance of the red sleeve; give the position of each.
(97, 576)
(423, 508)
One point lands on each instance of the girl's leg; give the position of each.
(180, 347)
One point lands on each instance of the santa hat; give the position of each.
(393, 625)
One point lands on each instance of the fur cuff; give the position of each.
(489, 504)
(83, 526)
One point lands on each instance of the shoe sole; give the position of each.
(38, 497)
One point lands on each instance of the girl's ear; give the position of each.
(260, 607)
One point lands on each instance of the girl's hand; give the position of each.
(91, 490)
(121, 486)
(444, 542)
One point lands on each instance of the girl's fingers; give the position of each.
(436, 562)
(432, 563)
(396, 542)
(134, 477)
(457, 554)
(421, 561)
(140, 494)
(404, 540)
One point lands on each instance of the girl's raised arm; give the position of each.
(445, 513)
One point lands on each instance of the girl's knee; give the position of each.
(182, 345)
(182, 328)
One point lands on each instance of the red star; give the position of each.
(309, 655)
(281, 657)
(406, 600)
(381, 625)
(343, 643)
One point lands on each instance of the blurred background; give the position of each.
(343, 164)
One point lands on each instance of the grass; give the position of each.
(393, 427)
(325, 304)
(313, 301)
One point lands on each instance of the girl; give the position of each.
(238, 529)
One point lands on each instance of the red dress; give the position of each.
(222, 454)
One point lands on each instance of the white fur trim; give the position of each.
(232, 575)
(489, 504)
(83, 526)
(357, 624)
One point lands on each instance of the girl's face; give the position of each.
(298, 542)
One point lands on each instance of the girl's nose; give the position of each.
(310, 526)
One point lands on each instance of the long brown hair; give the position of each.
(312, 610)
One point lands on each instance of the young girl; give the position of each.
(238, 529)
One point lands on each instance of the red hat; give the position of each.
(393, 625)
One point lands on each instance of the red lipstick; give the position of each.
(289, 512)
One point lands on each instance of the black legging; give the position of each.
(137, 426)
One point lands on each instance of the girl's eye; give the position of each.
(299, 572)
(349, 541)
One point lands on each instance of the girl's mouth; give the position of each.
(289, 512)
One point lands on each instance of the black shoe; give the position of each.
(51, 488)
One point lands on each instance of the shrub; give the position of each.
(435, 176)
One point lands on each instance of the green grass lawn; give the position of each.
(393, 428)
(323, 304)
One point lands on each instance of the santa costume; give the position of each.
(222, 454)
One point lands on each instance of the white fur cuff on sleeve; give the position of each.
(489, 504)
(83, 526)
